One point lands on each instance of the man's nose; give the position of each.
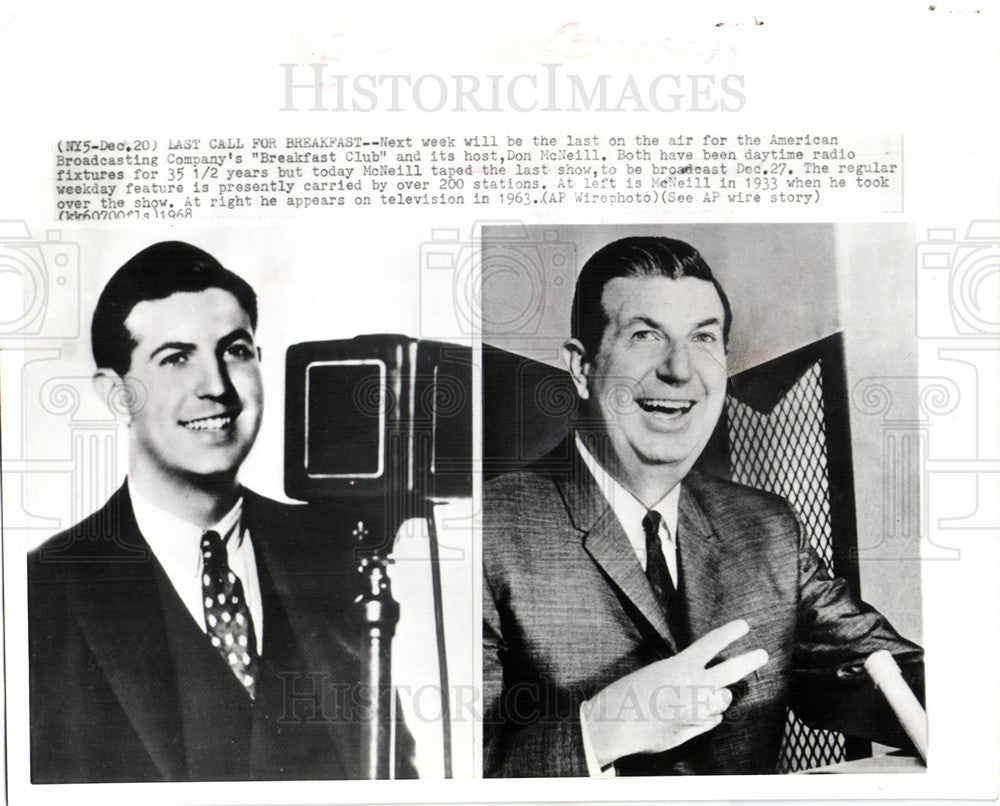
(676, 364)
(213, 381)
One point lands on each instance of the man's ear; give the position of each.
(578, 363)
(117, 394)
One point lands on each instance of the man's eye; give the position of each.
(174, 359)
(706, 338)
(645, 335)
(241, 352)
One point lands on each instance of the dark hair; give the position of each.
(157, 272)
(634, 257)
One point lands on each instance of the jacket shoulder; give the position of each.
(523, 494)
(528, 478)
(714, 492)
(305, 544)
(257, 507)
(526, 520)
(105, 537)
(298, 523)
(745, 514)
(536, 479)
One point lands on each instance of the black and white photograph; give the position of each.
(410, 403)
(186, 627)
(682, 548)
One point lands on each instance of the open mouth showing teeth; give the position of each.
(209, 423)
(660, 406)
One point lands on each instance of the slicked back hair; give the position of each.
(154, 273)
(634, 257)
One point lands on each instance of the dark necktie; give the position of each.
(657, 571)
(667, 594)
(227, 616)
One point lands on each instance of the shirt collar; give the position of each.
(629, 509)
(177, 542)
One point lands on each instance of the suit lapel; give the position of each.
(324, 653)
(700, 554)
(117, 604)
(606, 543)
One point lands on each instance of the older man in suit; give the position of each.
(190, 630)
(640, 618)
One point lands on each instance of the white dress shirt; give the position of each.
(176, 544)
(630, 511)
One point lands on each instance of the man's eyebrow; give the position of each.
(236, 335)
(646, 320)
(240, 334)
(174, 345)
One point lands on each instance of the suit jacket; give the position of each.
(124, 686)
(567, 610)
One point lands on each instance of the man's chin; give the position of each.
(211, 479)
(213, 467)
(656, 449)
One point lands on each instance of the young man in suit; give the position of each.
(640, 618)
(190, 629)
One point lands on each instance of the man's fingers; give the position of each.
(729, 671)
(719, 701)
(697, 728)
(711, 644)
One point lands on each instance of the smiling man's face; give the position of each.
(197, 397)
(658, 380)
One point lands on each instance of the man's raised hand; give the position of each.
(668, 702)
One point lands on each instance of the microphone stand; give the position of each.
(379, 616)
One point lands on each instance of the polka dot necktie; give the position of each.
(227, 616)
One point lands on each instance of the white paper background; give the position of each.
(188, 71)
